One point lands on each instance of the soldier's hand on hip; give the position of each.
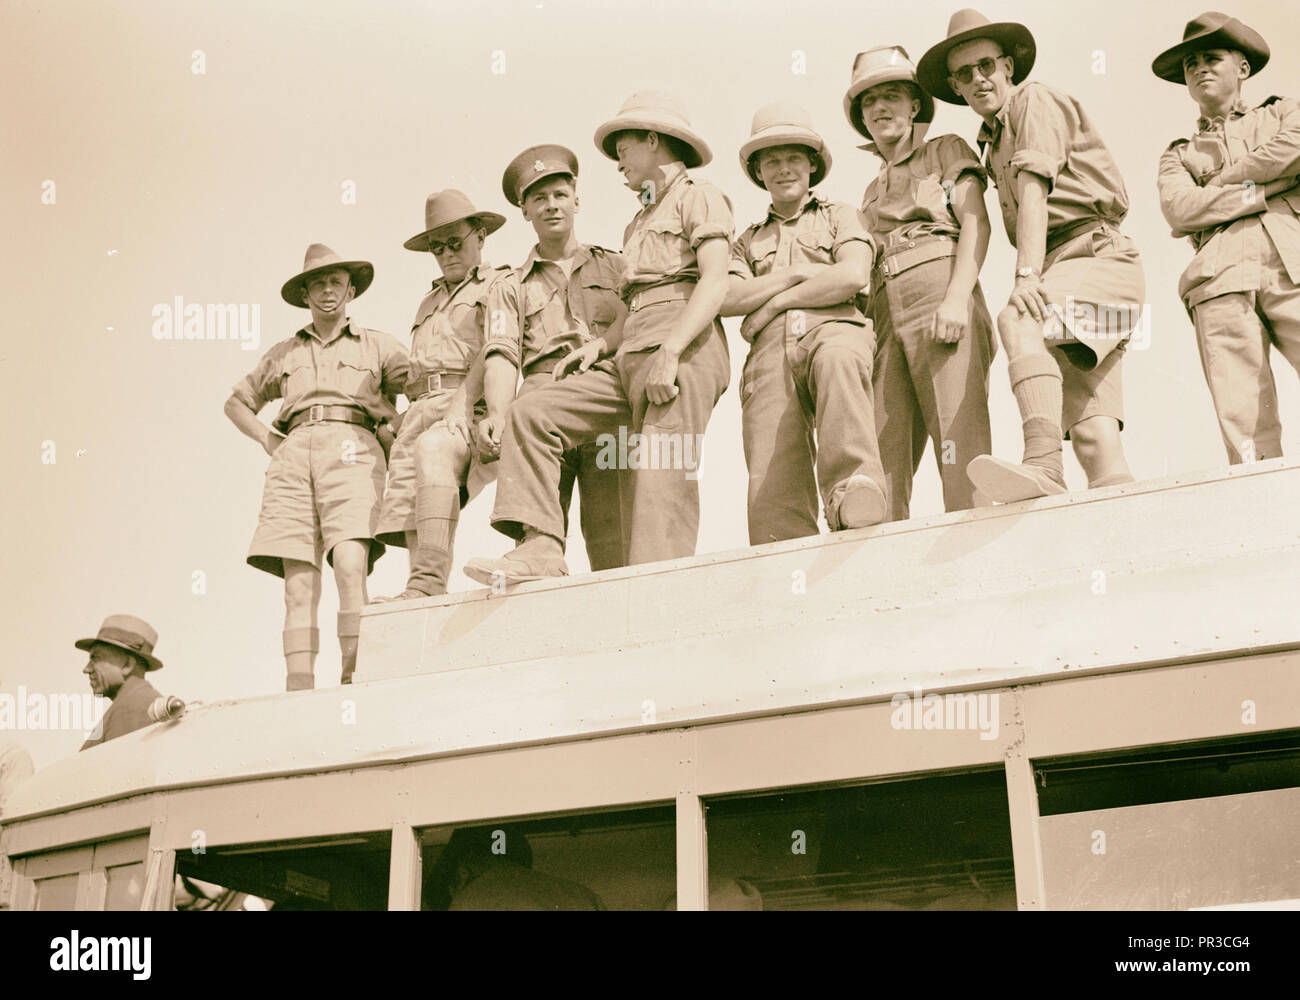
(580, 360)
(949, 322)
(661, 381)
(273, 441)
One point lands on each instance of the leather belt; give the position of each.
(676, 291)
(543, 367)
(435, 382)
(904, 256)
(320, 413)
(1063, 235)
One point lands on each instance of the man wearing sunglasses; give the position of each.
(433, 471)
(1079, 286)
(1232, 190)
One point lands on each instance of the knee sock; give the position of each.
(349, 629)
(1036, 383)
(437, 510)
(300, 648)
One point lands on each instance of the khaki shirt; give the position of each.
(1231, 226)
(449, 326)
(814, 236)
(659, 243)
(910, 197)
(359, 367)
(536, 313)
(1048, 133)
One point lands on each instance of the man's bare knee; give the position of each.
(440, 455)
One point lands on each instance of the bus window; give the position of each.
(57, 893)
(341, 873)
(1212, 823)
(930, 843)
(624, 860)
(125, 886)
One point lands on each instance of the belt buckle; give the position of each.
(316, 413)
(433, 382)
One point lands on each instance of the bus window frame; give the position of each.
(89, 862)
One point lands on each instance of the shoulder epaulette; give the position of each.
(1177, 142)
(1269, 100)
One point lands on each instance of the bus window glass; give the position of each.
(932, 843)
(342, 873)
(623, 860)
(125, 886)
(57, 893)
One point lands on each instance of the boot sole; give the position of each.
(861, 508)
(1007, 482)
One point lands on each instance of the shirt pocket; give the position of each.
(357, 373)
(598, 306)
(815, 247)
(533, 305)
(659, 247)
(930, 196)
(297, 376)
(762, 251)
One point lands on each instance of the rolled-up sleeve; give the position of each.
(1043, 126)
(1190, 208)
(396, 365)
(504, 334)
(262, 384)
(957, 158)
(705, 214)
(846, 227)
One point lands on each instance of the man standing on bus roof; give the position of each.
(670, 368)
(435, 470)
(339, 382)
(121, 653)
(1233, 190)
(934, 335)
(1079, 286)
(560, 302)
(794, 276)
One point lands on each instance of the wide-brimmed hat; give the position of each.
(320, 258)
(442, 208)
(883, 64)
(783, 124)
(536, 163)
(128, 632)
(654, 111)
(1212, 30)
(966, 26)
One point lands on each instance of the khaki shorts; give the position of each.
(397, 513)
(323, 486)
(1097, 290)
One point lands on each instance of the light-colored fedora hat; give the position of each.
(319, 258)
(442, 208)
(1212, 30)
(654, 111)
(536, 163)
(966, 26)
(883, 64)
(128, 632)
(783, 124)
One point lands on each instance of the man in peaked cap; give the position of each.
(1233, 190)
(670, 367)
(934, 335)
(561, 302)
(434, 470)
(121, 653)
(339, 382)
(1079, 287)
(794, 276)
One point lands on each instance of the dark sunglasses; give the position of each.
(454, 244)
(965, 74)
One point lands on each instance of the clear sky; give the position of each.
(169, 182)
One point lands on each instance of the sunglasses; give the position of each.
(454, 244)
(965, 74)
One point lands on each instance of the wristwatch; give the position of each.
(1026, 272)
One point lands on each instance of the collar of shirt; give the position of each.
(580, 257)
(1238, 109)
(673, 173)
(906, 148)
(129, 685)
(307, 331)
(989, 133)
(811, 201)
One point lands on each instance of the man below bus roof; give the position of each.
(121, 653)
